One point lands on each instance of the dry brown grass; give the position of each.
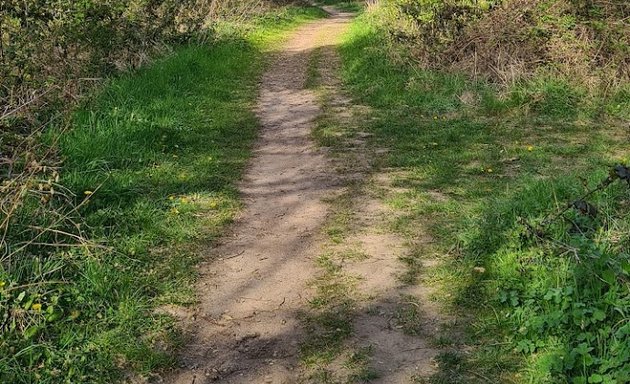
(523, 36)
(583, 42)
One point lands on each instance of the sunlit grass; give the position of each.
(157, 153)
(469, 162)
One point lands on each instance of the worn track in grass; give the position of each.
(254, 288)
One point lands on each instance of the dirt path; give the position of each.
(246, 329)
(369, 276)
(255, 290)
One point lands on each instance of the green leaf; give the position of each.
(599, 315)
(595, 378)
(56, 315)
(30, 332)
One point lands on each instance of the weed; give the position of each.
(409, 316)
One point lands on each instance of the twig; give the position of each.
(233, 256)
(25, 104)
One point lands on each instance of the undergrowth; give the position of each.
(581, 46)
(482, 169)
(108, 228)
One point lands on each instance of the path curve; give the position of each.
(246, 328)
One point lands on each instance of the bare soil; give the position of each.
(254, 287)
(402, 348)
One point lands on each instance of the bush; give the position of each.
(583, 42)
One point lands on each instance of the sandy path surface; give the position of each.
(246, 328)
(255, 288)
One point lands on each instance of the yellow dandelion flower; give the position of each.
(36, 307)
(88, 193)
(530, 148)
(2, 284)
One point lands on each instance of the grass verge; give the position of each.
(149, 165)
(476, 168)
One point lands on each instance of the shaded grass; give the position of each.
(153, 158)
(472, 161)
(313, 76)
(344, 5)
(329, 321)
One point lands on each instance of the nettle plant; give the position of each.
(567, 303)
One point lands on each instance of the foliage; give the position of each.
(476, 167)
(52, 51)
(46, 43)
(565, 294)
(582, 42)
(103, 212)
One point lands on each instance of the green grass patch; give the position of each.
(151, 162)
(409, 316)
(313, 77)
(329, 320)
(477, 166)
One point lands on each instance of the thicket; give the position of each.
(585, 43)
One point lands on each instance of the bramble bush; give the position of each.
(58, 45)
(584, 43)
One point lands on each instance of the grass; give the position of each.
(151, 163)
(409, 316)
(471, 164)
(329, 321)
(344, 5)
